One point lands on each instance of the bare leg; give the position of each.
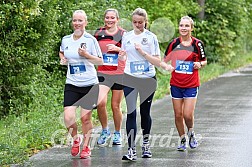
(70, 120)
(116, 99)
(189, 107)
(86, 121)
(178, 113)
(101, 108)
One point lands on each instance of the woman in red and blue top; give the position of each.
(187, 56)
(110, 75)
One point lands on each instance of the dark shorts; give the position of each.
(180, 93)
(86, 97)
(114, 82)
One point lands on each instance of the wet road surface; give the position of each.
(223, 124)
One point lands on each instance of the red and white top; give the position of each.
(182, 58)
(112, 65)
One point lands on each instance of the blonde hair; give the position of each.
(112, 10)
(82, 12)
(188, 18)
(141, 12)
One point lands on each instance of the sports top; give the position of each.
(136, 64)
(182, 58)
(112, 65)
(80, 71)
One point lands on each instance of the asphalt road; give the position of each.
(223, 124)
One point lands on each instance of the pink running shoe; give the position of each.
(85, 153)
(76, 146)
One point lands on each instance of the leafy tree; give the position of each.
(223, 29)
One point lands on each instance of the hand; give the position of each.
(63, 61)
(122, 55)
(112, 47)
(197, 65)
(166, 67)
(82, 51)
(138, 47)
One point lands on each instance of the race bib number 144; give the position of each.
(139, 67)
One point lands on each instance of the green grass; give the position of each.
(36, 130)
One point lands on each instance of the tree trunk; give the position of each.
(201, 14)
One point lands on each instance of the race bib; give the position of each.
(184, 67)
(77, 68)
(110, 59)
(139, 67)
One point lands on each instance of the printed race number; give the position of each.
(77, 68)
(185, 67)
(110, 59)
(139, 67)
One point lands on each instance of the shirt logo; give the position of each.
(128, 43)
(83, 45)
(144, 41)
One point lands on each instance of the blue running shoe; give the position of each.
(146, 153)
(182, 146)
(105, 135)
(131, 156)
(192, 140)
(117, 140)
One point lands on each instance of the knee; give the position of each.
(188, 117)
(115, 107)
(69, 119)
(178, 115)
(102, 104)
(85, 121)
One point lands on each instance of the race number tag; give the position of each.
(139, 67)
(184, 67)
(110, 59)
(77, 68)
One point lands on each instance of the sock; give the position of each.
(116, 131)
(105, 129)
(190, 132)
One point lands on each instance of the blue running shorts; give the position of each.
(180, 93)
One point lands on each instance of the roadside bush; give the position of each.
(223, 30)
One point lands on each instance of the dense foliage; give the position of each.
(226, 29)
(31, 79)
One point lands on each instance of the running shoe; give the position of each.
(182, 146)
(131, 156)
(76, 146)
(105, 135)
(146, 153)
(85, 153)
(117, 140)
(192, 140)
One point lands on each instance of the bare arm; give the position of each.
(63, 59)
(200, 64)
